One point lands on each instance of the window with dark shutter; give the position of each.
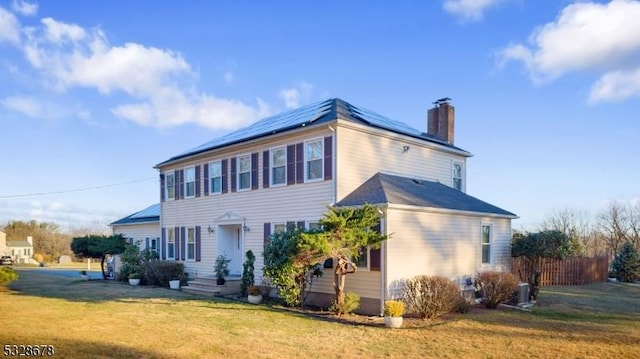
(328, 158)
(225, 176)
(254, 171)
(198, 243)
(265, 169)
(233, 174)
(267, 234)
(300, 163)
(291, 164)
(197, 181)
(162, 187)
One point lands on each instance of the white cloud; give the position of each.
(24, 8)
(469, 10)
(296, 95)
(9, 27)
(586, 36)
(25, 105)
(160, 82)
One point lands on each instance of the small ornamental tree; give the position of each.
(248, 277)
(534, 247)
(346, 232)
(626, 264)
(98, 246)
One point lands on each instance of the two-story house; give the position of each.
(228, 195)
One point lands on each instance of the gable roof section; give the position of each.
(313, 114)
(386, 188)
(20, 243)
(147, 215)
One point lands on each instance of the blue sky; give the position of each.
(93, 95)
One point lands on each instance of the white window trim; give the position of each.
(271, 162)
(368, 267)
(453, 163)
(490, 243)
(238, 172)
(194, 181)
(171, 230)
(166, 186)
(211, 192)
(306, 161)
(186, 247)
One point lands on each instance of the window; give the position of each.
(170, 183)
(279, 227)
(153, 244)
(191, 243)
(313, 226)
(486, 244)
(278, 166)
(313, 160)
(457, 175)
(171, 242)
(190, 182)
(362, 260)
(215, 177)
(244, 172)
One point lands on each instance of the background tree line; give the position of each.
(49, 240)
(601, 234)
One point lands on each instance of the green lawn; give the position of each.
(104, 319)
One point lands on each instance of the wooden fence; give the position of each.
(568, 271)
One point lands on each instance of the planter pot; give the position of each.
(134, 281)
(393, 322)
(254, 299)
(174, 284)
(220, 281)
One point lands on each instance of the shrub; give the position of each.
(160, 272)
(254, 290)
(393, 308)
(351, 304)
(38, 257)
(626, 265)
(431, 296)
(7, 275)
(462, 306)
(248, 277)
(496, 287)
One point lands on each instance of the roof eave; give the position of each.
(451, 211)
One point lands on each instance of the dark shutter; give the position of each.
(162, 187)
(233, 174)
(197, 181)
(198, 243)
(300, 225)
(328, 263)
(291, 164)
(328, 158)
(146, 243)
(265, 169)
(267, 234)
(300, 163)
(225, 178)
(374, 259)
(205, 178)
(254, 170)
(183, 242)
(176, 243)
(163, 244)
(290, 224)
(181, 172)
(176, 185)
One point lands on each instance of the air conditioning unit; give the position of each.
(523, 293)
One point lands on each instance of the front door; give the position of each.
(230, 245)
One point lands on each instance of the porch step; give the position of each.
(207, 286)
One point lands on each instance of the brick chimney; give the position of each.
(440, 120)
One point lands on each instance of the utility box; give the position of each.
(523, 293)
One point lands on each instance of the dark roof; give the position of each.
(313, 114)
(385, 188)
(149, 214)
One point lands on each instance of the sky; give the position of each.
(94, 94)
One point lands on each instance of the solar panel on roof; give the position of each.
(151, 211)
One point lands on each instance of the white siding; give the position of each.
(139, 232)
(366, 284)
(442, 244)
(364, 154)
(297, 202)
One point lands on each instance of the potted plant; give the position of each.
(84, 275)
(134, 278)
(255, 294)
(393, 310)
(221, 269)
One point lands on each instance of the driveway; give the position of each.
(61, 272)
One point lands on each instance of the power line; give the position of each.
(76, 189)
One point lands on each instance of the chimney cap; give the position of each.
(442, 100)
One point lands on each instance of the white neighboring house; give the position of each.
(228, 195)
(20, 251)
(141, 228)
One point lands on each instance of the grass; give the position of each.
(105, 319)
